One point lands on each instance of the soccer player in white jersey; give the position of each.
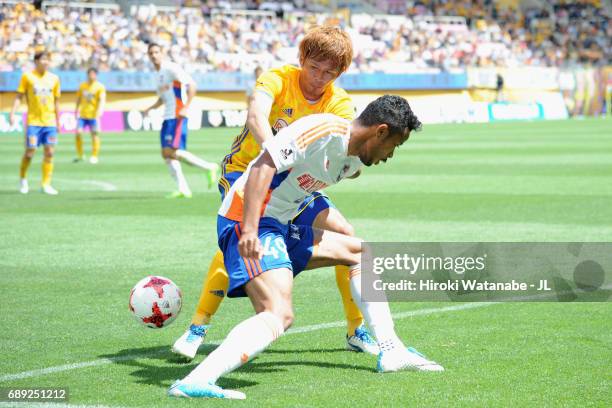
(176, 90)
(263, 252)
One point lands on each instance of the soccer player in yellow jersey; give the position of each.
(89, 107)
(282, 96)
(41, 89)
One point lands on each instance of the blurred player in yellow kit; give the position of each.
(281, 96)
(91, 97)
(41, 89)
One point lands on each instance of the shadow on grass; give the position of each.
(158, 366)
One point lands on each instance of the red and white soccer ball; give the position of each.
(155, 301)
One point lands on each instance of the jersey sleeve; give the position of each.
(23, 85)
(269, 83)
(284, 151)
(80, 91)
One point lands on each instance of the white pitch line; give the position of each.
(297, 330)
(104, 185)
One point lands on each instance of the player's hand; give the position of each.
(182, 112)
(249, 246)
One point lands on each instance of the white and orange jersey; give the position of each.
(309, 155)
(172, 81)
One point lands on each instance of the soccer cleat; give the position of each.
(78, 159)
(187, 345)
(178, 194)
(93, 160)
(405, 359)
(362, 342)
(212, 176)
(184, 390)
(23, 186)
(47, 189)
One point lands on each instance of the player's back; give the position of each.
(289, 104)
(309, 155)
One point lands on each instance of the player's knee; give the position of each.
(29, 153)
(352, 254)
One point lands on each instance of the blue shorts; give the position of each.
(308, 211)
(174, 133)
(37, 135)
(92, 124)
(286, 246)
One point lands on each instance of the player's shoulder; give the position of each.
(327, 124)
(54, 77)
(285, 73)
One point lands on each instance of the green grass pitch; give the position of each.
(67, 264)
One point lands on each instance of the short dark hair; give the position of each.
(40, 54)
(92, 69)
(392, 110)
(153, 44)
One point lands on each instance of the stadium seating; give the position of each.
(233, 36)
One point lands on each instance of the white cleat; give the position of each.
(24, 188)
(188, 344)
(93, 160)
(47, 189)
(400, 358)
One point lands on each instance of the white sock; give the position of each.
(176, 171)
(243, 343)
(194, 160)
(376, 314)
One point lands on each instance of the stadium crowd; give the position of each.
(560, 33)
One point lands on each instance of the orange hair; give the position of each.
(327, 42)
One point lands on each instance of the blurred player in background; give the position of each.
(41, 89)
(91, 97)
(176, 90)
(281, 96)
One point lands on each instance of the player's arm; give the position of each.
(16, 104)
(257, 117)
(191, 92)
(156, 105)
(57, 113)
(56, 95)
(257, 185)
(78, 103)
(101, 103)
(21, 91)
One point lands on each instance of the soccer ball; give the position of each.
(155, 301)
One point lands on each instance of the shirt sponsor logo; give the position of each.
(309, 183)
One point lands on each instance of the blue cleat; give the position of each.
(183, 390)
(187, 345)
(362, 342)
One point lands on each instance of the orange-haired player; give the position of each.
(281, 96)
(41, 89)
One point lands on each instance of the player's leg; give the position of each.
(78, 140)
(318, 211)
(47, 170)
(212, 293)
(32, 142)
(95, 141)
(330, 248)
(268, 283)
(172, 132)
(212, 169)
